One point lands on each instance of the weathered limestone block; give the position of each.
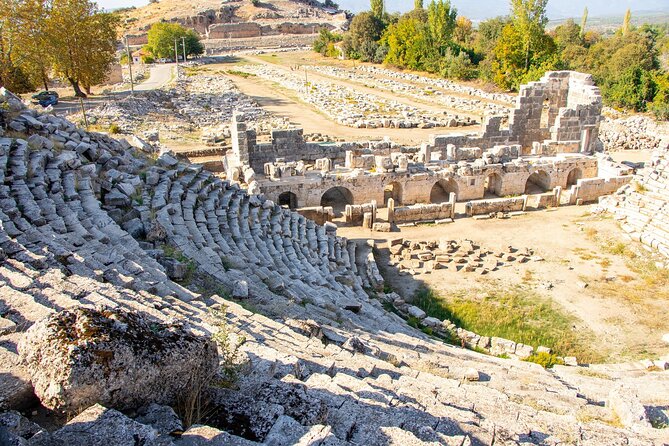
(624, 402)
(99, 426)
(113, 357)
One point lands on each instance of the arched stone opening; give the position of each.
(493, 185)
(538, 183)
(573, 177)
(337, 198)
(394, 191)
(441, 191)
(289, 200)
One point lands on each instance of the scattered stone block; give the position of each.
(416, 312)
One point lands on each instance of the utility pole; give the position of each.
(176, 57)
(183, 44)
(127, 49)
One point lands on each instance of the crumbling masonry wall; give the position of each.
(561, 113)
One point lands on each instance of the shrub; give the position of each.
(114, 129)
(229, 351)
(546, 360)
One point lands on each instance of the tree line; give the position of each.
(513, 50)
(70, 39)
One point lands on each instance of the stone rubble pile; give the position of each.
(349, 107)
(415, 258)
(449, 94)
(633, 133)
(198, 102)
(87, 221)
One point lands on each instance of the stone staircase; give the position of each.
(326, 364)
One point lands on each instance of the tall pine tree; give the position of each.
(584, 21)
(378, 8)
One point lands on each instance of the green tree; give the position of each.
(584, 21)
(24, 60)
(162, 37)
(463, 30)
(81, 42)
(627, 22)
(634, 89)
(569, 33)
(417, 4)
(529, 18)
(361, 40)
(378, 8)
(407, 43)
(441, 24)
(509, 66)
(325, 44)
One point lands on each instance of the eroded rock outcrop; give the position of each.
(113, 357)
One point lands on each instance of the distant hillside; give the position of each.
(207, 12)
(483, 9)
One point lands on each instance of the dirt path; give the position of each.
(625, 328)
(281, 103)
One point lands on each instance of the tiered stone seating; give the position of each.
(330, 363)
(643, 207)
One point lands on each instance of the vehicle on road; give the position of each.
(46, 98)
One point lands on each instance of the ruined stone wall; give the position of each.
(468, 182)
(303, 28)
(483, 207)
(234, 30)
(562, 112)
(422, 212)
(590, 189)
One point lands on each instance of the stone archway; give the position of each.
(493, 185)
(538, 183)
(394, 191)
(442, 189)
(574, 175)
(289, 200)
(337, 198)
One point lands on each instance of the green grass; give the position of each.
(515, 313)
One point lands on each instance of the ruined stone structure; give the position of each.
(253, 29)
(87, 220)
(549, 144)
(560, 113)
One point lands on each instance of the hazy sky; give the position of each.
(481, 9)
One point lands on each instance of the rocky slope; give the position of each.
(89, 221)
(203, 14)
